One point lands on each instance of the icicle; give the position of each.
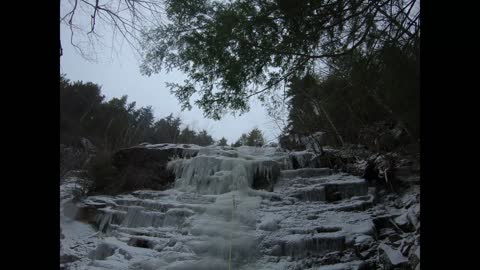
(217, 171)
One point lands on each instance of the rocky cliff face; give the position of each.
(242, 208)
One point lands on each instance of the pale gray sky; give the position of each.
(120, 75)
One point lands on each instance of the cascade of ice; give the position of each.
(217, 170)
(191, 227)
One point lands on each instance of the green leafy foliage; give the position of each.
(233, 50)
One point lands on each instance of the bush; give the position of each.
(71, 158)
(103, 174)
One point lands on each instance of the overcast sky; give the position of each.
(119, 74)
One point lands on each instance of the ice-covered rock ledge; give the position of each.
(243, 208)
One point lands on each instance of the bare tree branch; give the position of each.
(284, 78)
(126, 17)
(94, 16)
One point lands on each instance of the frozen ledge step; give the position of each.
(353, 265)
(342, 190)
(306, 172)
(330, 192)
(301, 245)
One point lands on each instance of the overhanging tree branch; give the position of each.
(126, 17)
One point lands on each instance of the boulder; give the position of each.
(269, 224)
(103, 251)
(148, 155)
(414, 256)
(145, 166)
(366, 254)
(406, 245)
(413, 215)
(68, 258)
(363, 242)
(81, 211)
(403, 222)
(392, 258)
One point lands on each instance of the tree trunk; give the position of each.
(86, 112)
(136, 131)
(106, 132)
(318, 105)
(126, 135)
(387, 108)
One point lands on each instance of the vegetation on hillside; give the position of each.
(112, 125)
(116, 123)
(347, 68)
(253, 138)
(373, 102)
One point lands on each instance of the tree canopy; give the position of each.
(234, 50)
(115, 123)
(253, 138)
(222, 142)
(359, 96)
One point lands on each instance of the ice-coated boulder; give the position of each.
(392, 258)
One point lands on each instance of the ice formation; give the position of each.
(219, 170)
(244, 208)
